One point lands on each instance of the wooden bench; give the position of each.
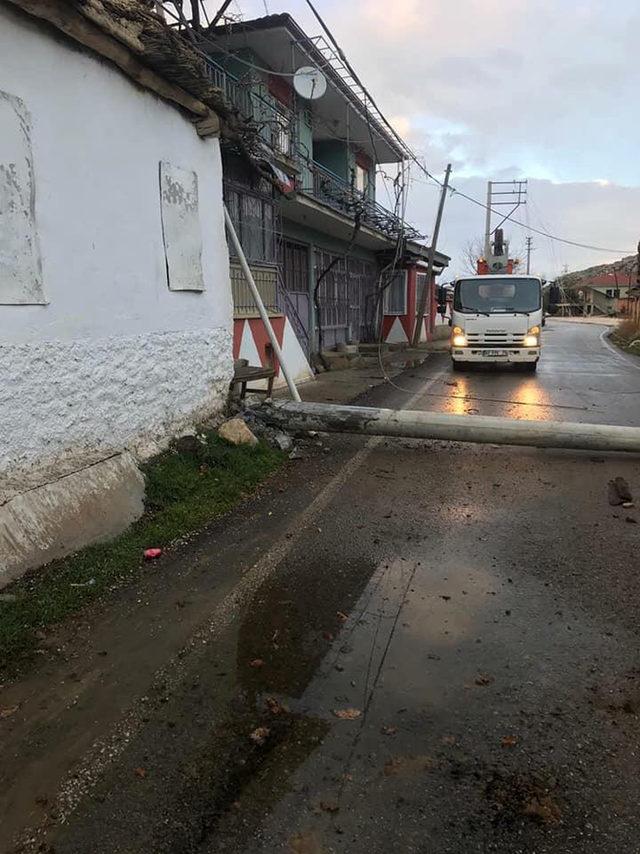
(244, 373)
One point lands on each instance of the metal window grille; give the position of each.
(256, 222)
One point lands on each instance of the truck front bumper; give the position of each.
(497, 356)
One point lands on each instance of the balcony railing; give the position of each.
(332, 191)
(276, 124)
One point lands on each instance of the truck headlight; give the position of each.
(530, 340)
(459, 340)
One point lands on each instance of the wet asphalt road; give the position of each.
(404, 647)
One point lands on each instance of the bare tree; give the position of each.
(471, 251)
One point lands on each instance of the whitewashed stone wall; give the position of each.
(72, 399)
(106, 356)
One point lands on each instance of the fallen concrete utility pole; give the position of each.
(410, 424)
(244, 264)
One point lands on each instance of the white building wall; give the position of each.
(113, 357)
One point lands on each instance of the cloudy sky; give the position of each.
(536, 89)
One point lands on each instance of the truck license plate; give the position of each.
(496, 352)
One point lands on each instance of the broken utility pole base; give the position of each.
(408, 424)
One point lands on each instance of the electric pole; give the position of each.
(422, 302)
(529, 245)
(502, 194)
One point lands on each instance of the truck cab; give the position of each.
(497, 319)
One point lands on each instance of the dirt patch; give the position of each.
(408, 766)
(515, 797)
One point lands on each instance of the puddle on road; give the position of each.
(453, 684)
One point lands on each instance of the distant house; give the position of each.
(115, 299)
(324, 155)
(607, 293)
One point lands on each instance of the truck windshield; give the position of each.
(492, 296)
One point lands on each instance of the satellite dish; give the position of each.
(309, 83)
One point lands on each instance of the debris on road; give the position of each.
(509, 741)
(236, 432)
(8, 712)
(140, 772)
(275, 707)
(389, 730)
(260, 735)
(482, 679)
(619, 492)
(88, 583)
(256, 663)
(347, 714)
(330, 806)
(152, 554)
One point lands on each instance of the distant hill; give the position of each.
(625, 265)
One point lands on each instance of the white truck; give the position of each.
(496, 319)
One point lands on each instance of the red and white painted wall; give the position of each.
(397, 327)
(250, 342)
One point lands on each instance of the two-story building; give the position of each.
(319, 242)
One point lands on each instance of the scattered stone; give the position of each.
(236, 432)
(619, 492)
(482, 679)
(631, 520)
(283, 441)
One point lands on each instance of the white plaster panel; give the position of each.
(20, 269)
(181, 227)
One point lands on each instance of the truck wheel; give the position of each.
(458, 366)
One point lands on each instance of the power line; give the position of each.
(539, 231)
